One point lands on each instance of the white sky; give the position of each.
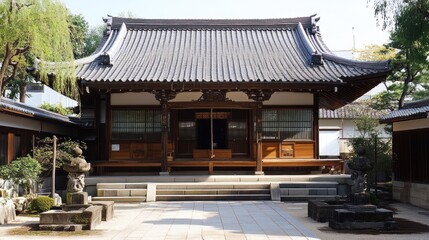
(337, 17)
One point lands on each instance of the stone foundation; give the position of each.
(321, 210)
(87, 218)
(416, 194)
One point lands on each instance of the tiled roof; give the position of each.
(412, 110)
(277, 52)
(8, 105)
(351, 111)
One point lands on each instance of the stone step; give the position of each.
(121, 185)
(308, 197)
(309, 185)
(229, 197)
(308, 191)
(121, 199)
(225, 185)
(121, 192)
(211, 191)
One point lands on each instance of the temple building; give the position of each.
(236, 95)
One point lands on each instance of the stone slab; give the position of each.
(275, 191)
(71, 227)
(151, 192)
(108, 209)
(77, 198)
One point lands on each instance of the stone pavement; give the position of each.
(247, 220)
(218, 220)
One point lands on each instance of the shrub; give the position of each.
(23, 171)
(57, 109)
(41, 204)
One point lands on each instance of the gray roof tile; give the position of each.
(271, 50)
(412, 110)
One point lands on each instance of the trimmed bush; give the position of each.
(41, 204)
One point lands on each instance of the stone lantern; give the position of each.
(76, 178)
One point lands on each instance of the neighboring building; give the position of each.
(20, 124)
(191, 94)
(411, 152)
(338, 127)
(38, 93)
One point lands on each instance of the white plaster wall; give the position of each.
(12, 121)
(134, 99)
(35, 99)
(411, 124)
(290, 98)
(187, 97)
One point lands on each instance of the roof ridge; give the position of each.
(266, 22)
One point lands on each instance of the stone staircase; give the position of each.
(302, 191)
(181, 188)
(213, 191)
(121, 192)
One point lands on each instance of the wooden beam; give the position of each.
(316, 124)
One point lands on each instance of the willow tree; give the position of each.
(35, 32)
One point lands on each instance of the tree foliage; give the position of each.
(44, 152)
(57, 108)
(78, 27)
(93, 39)
(22, 171)
(36, 29)
(374, 146)
(409, 24)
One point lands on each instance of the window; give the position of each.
(136, 125)
(281, 124)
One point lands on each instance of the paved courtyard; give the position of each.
(216, 220)
(205, 220)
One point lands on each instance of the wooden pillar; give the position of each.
(10, 147)
(316, 124)
(259, 169)
(164, 136)
(259, 96)
(163, 97)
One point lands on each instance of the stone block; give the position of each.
(284, 191)
(298, 191)
(318, 191)
(92, 216)
(138, 192)
(123, 192)
(275, 192)
(77, 198)
(108, 209)
(151, 192)
(110, 185)
(135, 186)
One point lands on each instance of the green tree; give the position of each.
(22, 171)
(44, 152)
(32, 30)
(375, 147)
(408, 21)
(93, 39)
(78, 27)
